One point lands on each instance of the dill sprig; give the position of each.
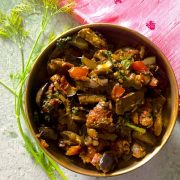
(12, 28)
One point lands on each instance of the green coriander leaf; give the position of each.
(126, 63)
(107, 54)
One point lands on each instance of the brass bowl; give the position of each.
(119, 36)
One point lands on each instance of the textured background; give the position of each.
(16, 164)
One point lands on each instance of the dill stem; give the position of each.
(59, 171)
(22, 58)
(8, 88)
(32, 50)
(18, 107)
(44, 22)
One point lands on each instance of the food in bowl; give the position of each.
(101, 103)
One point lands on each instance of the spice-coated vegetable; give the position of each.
(104, 105)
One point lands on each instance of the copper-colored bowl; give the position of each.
(119, 36)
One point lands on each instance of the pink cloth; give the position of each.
(159, 20)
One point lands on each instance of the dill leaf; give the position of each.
(11, 27)
(23, 8)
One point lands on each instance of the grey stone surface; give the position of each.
(16, 164)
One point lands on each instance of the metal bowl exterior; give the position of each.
(123, 34)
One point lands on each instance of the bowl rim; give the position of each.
(168, 130)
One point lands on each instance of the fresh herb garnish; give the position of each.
(12, 28)
(62, 42)
(126, 63)
(107, 54)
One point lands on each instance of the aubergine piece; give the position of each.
(61, 84)
(90, 99)
(56, 53)
(48, 133)
(79, 43)
(158, 104)
(129, 102)
(40, 94)
(96, 84)
(71, 138)
(158, 123)
(107, 162)
(58, 66)
(90, 36)
(142, 52)
(146, 138)
(71, 125)
(108, 136)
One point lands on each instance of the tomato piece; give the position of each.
(117, 91)
(73, 150)
(44, 143)
(78, 73)
(139, 66)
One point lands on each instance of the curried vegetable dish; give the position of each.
(101, 103)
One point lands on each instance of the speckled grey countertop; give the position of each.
(16, 164)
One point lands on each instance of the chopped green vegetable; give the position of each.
(107, 54)
(145, 137)
(136, 128)
(126, 63)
